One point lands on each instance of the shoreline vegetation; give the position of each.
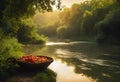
(93, 20)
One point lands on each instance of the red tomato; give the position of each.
(33, 59)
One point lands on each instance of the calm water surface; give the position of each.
(81, 61)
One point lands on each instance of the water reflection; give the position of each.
(56, 43)
(66, 73)
(66, 43)
(94, 71)
(82, 61)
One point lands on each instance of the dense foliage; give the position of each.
(96, 20)
(12, 12)
(81, 19)
(17, 27)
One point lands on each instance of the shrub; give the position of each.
(10, 47)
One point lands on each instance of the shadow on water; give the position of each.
(100, 73)
(101, 63)
(17, 74)
(30, 48)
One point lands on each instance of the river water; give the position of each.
(80, 61)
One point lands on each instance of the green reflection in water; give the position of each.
(66, 73)
(82, 60)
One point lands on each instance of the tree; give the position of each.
(11, 12)
(109, 29)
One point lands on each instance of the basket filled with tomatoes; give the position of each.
(31, 61)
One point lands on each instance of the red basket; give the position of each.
(39, 65)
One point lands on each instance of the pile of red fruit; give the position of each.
(33, 59)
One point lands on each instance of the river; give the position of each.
(80, 61)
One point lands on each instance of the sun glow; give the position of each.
(67, 3)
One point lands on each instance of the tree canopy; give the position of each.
(11, 12)
(96, 20)
(17, 27)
